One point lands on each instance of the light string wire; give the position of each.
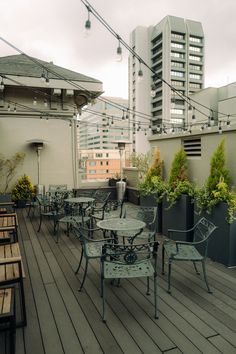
(112, 31)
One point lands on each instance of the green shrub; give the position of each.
(23, 189)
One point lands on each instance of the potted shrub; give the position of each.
(22, 191)
(152, 188)
(8, 168)
(217, 202)
(178, 202)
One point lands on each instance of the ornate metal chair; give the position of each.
(195, 251)
(121, 261)
(100, 205)
(90, 248)
(149, 216)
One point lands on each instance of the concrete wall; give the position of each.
(56, 155)
(199, 167)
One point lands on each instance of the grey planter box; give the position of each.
(180, 216)
(149, 201)
(222, 244)
(132, 195)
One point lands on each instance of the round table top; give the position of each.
(80, 200)
(121, 224)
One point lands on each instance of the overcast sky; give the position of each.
(53, 30)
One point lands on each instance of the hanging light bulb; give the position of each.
(97, 128)
(70, 125)
(74, 115)
(88, 24)
(45, 102)
(127, 115)
(123, 115)
(220, 128)
(46, 119)
(14, 110)
(145, 132)
(190, 129)
(43, 77)
(153, 91)
(228, 121)
(40, 117)
(47, 79)
(112, 120)
(193, 115)
(2, 85)
(122, 133)
(35, 101)
(8, 107)
(140, 73)
(119, 51)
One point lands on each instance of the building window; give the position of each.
(195, 39)
(107, 154)
(195, 67)
(195, 85)
(177, 35)
(177, 111)
(195, 49)
(177, 73)
(177, 64)
(177, 83)
(92, 163)
(177, 55)
(195, 76)
(107, 163)
(192, 147)
(177, 45)
(92, 172)
(98, 155)
(101, 163)
(195, 58)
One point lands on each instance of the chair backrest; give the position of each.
(147, 215)
(57, 187)
(203, 229)
(129, 254)
(101, 196)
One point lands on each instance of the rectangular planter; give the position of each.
(180, 216)
(149, 201)
(132, 195)
(222, 244)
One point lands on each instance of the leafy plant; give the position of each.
(23, 189)
(152, 182)
(141, 161)
(8, 169)
(179, 182)
(217, 187)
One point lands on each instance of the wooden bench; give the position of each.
(7, 206)
(9, 222)
(7, 315)
(5, 236)
(12, 272)
(3, 210)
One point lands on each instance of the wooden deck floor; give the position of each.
(63, 320)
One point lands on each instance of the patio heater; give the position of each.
(38, 144)
(121, 185)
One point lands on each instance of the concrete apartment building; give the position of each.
(174, 50)
(101, 125)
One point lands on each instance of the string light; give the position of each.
(1, 85)
(45, 102)
(8, 107)
(220, 128)
(140, 73)
(193, 115)
(153, 91)
(14, 110)
(35, 101)
(119, 51)
(88, 23)
(228, 121)
(43, 77)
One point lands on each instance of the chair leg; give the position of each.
(23, 322)
(205, 276)
(80, 261)
(169, 276)
(195, 267)
(40, 222)
(156, 315)
(85, 273)
(163, 261)
(148, 287)
(103, 301)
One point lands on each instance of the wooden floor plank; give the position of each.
(222, 345)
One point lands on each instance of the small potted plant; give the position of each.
(217, 202)
(22, 191)
(178, 202)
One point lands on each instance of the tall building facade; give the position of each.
(174, 50)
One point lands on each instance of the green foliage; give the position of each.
(178, 181)
(23, 189)
(179, 168)
(8, 168)
(216, 188)
(152, 182)
(141, 161)
(218, 169)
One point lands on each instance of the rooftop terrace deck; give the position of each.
(63, 320)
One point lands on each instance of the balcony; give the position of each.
(63, 320)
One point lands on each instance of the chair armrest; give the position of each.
(7, 203)
(7, 228)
